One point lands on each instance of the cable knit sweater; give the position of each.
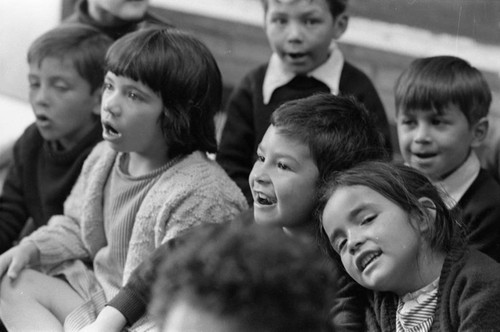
(193, 191)
(468, 297)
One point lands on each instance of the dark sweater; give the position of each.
(480, 209)
(81, 15)
(248, 117)
(38, 181)
(468, 297)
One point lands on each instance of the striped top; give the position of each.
(416, 310)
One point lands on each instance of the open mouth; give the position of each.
(264, 200)
(41, 117)
(367, 259)
(424, 155)
(110, 131)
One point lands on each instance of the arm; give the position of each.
(13, 210)
(348, 311)
(236, 147)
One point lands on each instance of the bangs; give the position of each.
(137, 59)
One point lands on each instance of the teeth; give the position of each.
(367, 259)
(264, 200)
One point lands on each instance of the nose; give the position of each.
(40, 96)
(110, 104)
(354, 242)
(294, 32)
(259, 174)
(422, 134)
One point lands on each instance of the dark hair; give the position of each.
(337, 7)
(434, 83)
(404, 186)
(85, 46)
(183, 72)
(338, 130)
(255, 276)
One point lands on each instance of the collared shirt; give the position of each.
(329, 73)
(457, 183)
(416, 310)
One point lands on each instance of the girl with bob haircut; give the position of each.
(394, 235)
(148, 182)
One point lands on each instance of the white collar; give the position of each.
(457, 183)
(329, 73)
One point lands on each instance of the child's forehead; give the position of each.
(297, 2)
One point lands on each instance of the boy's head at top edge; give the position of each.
(307, 141)
(162, 89)
(300, 31)
(66, 68)
(442, 105)
(117, 12)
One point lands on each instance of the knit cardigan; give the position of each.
(195, 190)
(468, 297)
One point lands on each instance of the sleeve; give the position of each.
(61, 239)
(236, 147)
(13, 210)
(475, 296)
(354, 81)
(134, 297)
(481, 215)
(348, 311)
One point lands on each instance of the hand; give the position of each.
(109, 319)
(17, 258)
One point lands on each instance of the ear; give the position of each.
(340, 25)
(96, 101)
(479, 131)
(430, 209)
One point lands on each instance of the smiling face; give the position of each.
(63, 103)
(300, 32)
(130, 116)
(378, 246)
(283, 181)
(437, 144)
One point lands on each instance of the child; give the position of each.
(308, 139)
(396, 237)
(66, 68)
(305, 61)
(243, 278)
(148, 182)
(442, 105)
(116, 18)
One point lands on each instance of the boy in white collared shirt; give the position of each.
(305, 61)
(442, 105)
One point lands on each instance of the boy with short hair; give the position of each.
(305, 61)
(66, 70)
(307, 141)
(232, 277)
(442, 105)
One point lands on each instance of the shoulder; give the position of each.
(484, 191)
(200, 178)
(30, 141)
(470, 271)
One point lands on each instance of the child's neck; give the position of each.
(430, 265)
(138, 164)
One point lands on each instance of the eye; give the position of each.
(339, 244)
(283, 166)
(437, 122)
(107, 86)
(61, 88)
(408, 122)
(368, 219)
(311, 21)
(260, 158)
(34, 85)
